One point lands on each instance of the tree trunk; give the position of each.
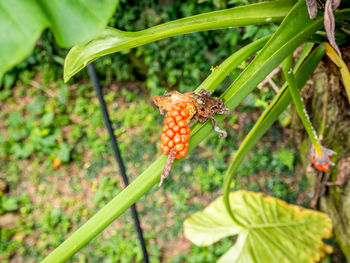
(329, 108)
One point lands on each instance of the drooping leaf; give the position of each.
(273, 231)
(113, 40)
(72, 22)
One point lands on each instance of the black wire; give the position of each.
(94, 78)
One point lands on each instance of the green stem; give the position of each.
(149, 177)
(289, 76)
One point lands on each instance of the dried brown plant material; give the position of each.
(167, 167)
(207, 106)
(312, 8)
(329, 23)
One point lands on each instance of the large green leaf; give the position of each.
(273, 231)
(270, 115)
(72, 22)
(113, 40)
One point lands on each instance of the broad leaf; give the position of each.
(72, 22)
(273, 231)
(113, 40)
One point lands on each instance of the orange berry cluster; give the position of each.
(321, 166)
(175, 133)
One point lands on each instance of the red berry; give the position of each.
(182, 124)
(171, 144)
(171, 125)
(168, 120)
(177, 138)
(170, 134)
(178, 118)
(184, 113)
(179, 147)
(175, 131)
(174, 113)
(176, 128)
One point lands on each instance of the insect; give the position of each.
(180, 110)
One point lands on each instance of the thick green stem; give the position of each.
(293, 89)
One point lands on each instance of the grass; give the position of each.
(59, 167)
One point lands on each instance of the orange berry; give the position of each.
(178, 156)
(171, 143)
(183, 131)
(170, 133)
(178, 118)
(186, 144)
(161, 146)
(166, 150)
(174, 113)
(171, 125)
(182, 104)
(177, 138)
(182, 124)
(165, 139)
(176, 128)
(168, 114)
(184, 138)
(179, 147)
(165, 128)
(188, 130)
(184, 113)
(184, 152)
(168, 120)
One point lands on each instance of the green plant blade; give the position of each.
(113, 40)
(293, 31)
(72, 22)
(149, 177)
(273, 230)
(299, 105)
(269, 116)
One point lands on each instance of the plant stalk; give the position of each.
(298, 102)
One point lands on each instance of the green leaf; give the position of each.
(72, 22)
(269, 116)
(293, 31)
(113, 40)
(287, 157)
(273, 230)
